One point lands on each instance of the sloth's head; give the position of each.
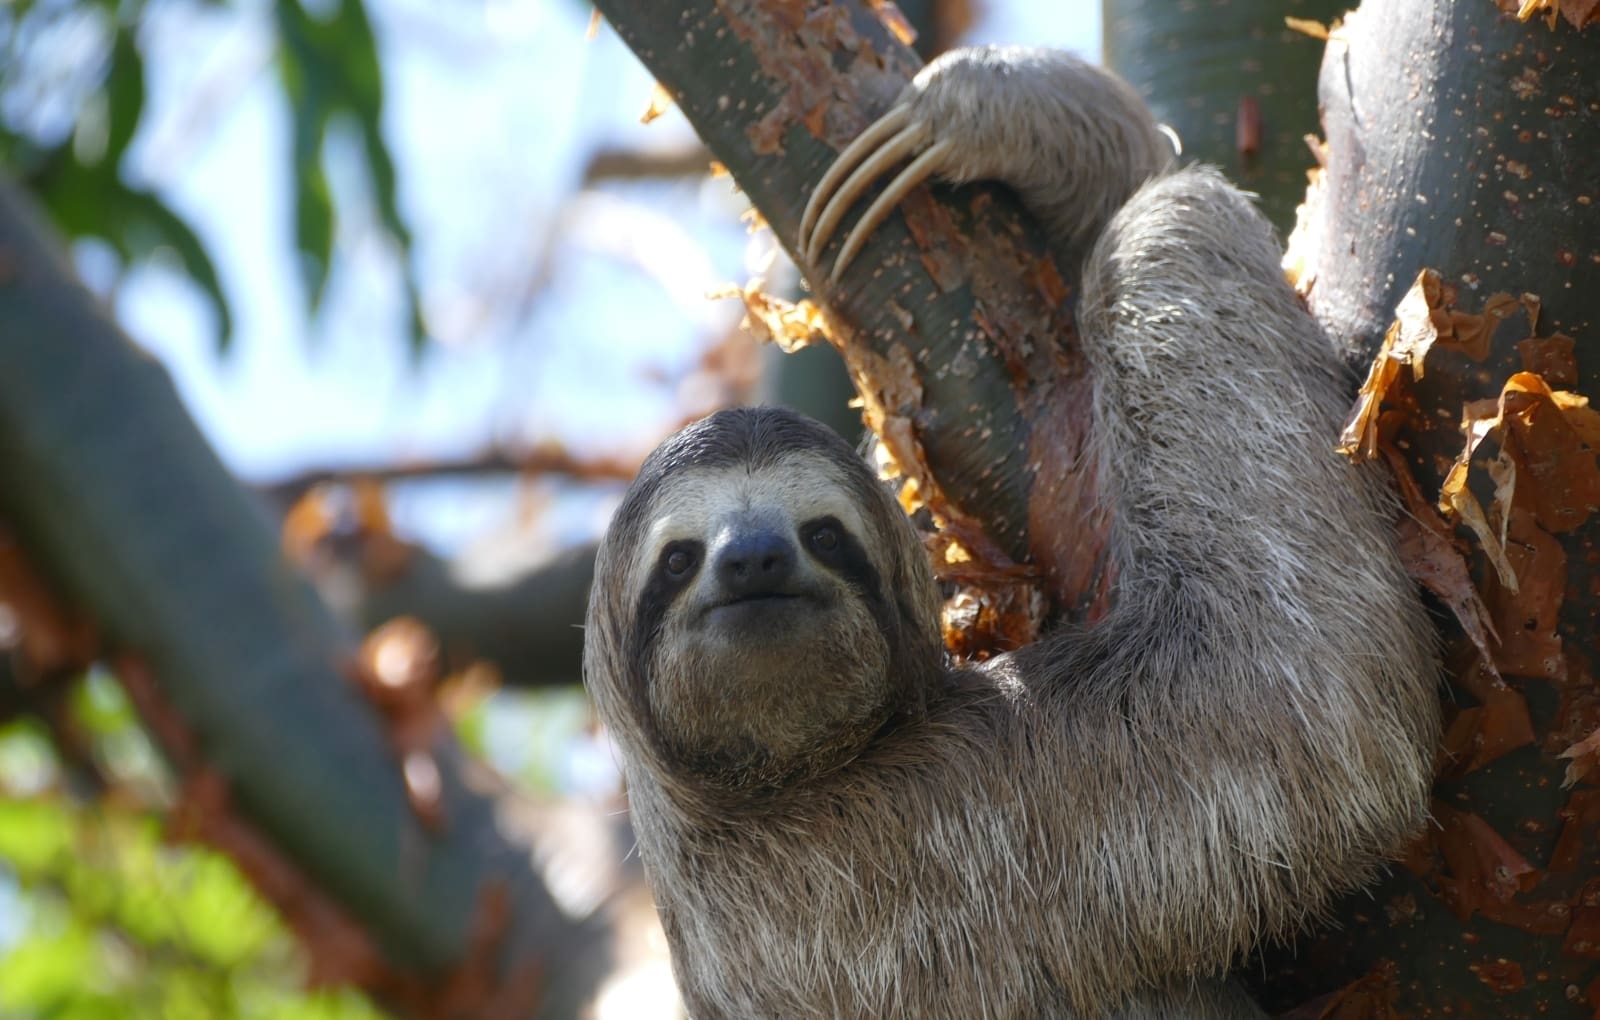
(761, 605)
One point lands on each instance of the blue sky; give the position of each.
(488, 123)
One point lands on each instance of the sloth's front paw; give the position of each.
(942, 123)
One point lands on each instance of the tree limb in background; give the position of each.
(526, 622)
(120, 503)
(645, 164)
(1237, 84)
(548, 460)
(530, 626)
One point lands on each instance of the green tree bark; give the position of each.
(775, 90)
(1236, 84)
(1464, 141)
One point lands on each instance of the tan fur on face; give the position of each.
(693, 505)
(770, 714)
(766, 707)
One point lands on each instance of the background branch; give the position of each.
(122, 505)
(491, 463)
(1237, 85)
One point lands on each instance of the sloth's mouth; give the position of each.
(760, 598)
(763, 605)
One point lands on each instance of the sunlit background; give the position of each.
(549, 297)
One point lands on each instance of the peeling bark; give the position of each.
(1464, 141)
(962, 335)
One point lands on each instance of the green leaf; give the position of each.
(34, 835)
(92, 201)
(323, 1004)
(228, 923)
(472, 728)
(330, 68)
(47, 971)
(101, 706)
(313, 224)
(150, 225)
(27, 757)
(124, 87)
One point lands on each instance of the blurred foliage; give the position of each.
(114, 921)
(72, 96)
(328, 62)
(530, 736)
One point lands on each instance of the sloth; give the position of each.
(836, 821)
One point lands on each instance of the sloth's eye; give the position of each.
(678, 562)
(824, 538)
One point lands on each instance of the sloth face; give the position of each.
(767, 648)
(773, 593)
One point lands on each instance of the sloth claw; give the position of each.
(893, 137)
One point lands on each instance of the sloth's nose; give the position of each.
(759, 561)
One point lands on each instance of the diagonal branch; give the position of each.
(961, 340)
(117, 498)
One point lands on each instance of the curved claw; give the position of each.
(920, 170)
(909, 139)
(886, 142)
(852, 154)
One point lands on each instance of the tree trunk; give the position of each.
(1237, 85)
(814, 380)
(1464, 141)
(963, 281)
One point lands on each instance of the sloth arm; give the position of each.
(1251, 728)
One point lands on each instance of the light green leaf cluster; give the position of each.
(120, 923)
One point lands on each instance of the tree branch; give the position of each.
(634, 164)
(1477, 159)
(119, 500)
(530, 626)
(547, 460)
(775, 89)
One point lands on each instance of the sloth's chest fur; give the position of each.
(906, 887)
(949, 921)
(863, 922)
(937, 887)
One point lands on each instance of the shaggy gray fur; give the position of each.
(1099, 824)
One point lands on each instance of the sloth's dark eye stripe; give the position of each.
(849, 559)
(658, 594)
(846, 557)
